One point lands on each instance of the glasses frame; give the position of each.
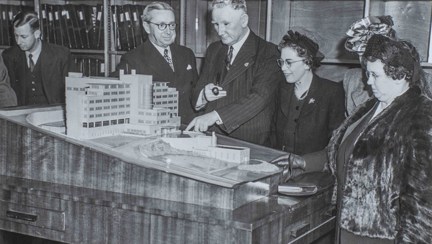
(163, 26)
(282, 62)
(370, 75)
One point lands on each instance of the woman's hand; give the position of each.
(292, 165)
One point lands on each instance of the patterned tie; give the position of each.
(168, 59)
(229, 58)
(31, 62)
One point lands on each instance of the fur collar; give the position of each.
(387, 160)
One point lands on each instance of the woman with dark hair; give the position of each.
(382, 154)
(354, 82)
(309, 107)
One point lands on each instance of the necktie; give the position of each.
(31, 62)
(168, 59)
(229, 58)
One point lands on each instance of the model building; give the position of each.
(132, 103)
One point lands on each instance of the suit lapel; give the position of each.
(287, 91)
(244, 59)
(47, 62)
(157, 61)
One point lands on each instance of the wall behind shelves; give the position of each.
(412, 21)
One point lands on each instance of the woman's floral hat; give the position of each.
(361, 30)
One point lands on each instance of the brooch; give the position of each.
(312, 100)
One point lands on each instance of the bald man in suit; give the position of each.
(160, 57)
(238, 84)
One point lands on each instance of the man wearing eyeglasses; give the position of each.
(160, 57)
(238, 84)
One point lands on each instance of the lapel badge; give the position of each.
(312, 100)
(189, 67)
(246, 64)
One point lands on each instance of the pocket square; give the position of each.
(189, 67)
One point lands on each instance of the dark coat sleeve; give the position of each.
(266, 79)
(7, 94)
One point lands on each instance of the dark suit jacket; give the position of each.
(7, 94)
(322, 112)
(146, 59)
(251, 86)
(55, 61)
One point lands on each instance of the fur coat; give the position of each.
(388, 177)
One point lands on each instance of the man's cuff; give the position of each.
(219, 121)
(201, 101)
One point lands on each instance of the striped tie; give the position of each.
(31, 62)
(168, 59)
(228, 58)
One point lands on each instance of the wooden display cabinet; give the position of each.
(58, 188)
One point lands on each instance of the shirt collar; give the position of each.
(162, 49)
(239, 44)
(36, 53)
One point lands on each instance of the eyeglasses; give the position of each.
(281, 62)
(371, 75)
(163, 26)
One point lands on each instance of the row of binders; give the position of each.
(128, 28)
(73, 26)
(90, 66)
(7, 13)
(80, 26)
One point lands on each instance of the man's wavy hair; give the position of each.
(400, 58)
(26, 17)
(304, 46)
(155, 6)
(235, 4)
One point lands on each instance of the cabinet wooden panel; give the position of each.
(327, 21)
(412, 21)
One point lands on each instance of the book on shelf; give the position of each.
(90, 66)
(51, 28)
(129, 26)
(3, 31)
(45, 24)
(83, 18)
(99, 27)
(76, 25)
(139, 34)
(67, 18)
(58, 30)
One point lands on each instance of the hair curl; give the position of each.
(26, 17)
(235, 4)
(400, 58)
(155, 6)
(304, 46)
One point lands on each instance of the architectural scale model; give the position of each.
(99, 106)
(135, 105)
